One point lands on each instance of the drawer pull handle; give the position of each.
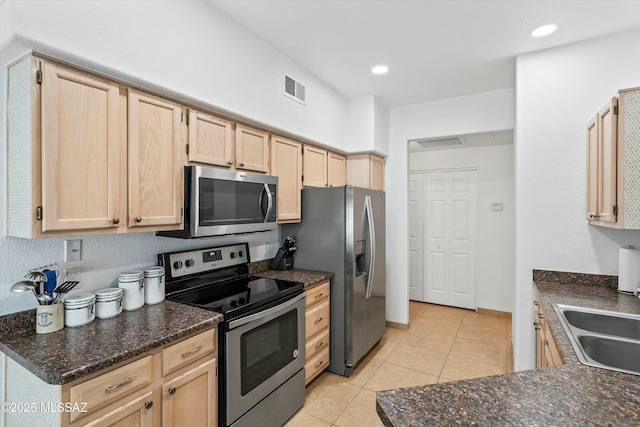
(172, 390)
(113, 387)
(148, 404)
(320, 344)
(318, 364)
(189, 353)
(319, 295)
(318, 321)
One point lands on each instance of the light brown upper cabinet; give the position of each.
(286, 164)
(71, 136)
(365, 170)
(155, 160)
(211, 140)
(252, 149)
(336, 169)
(613, 163)
(80, 150)
(323, 168)
(315, 166)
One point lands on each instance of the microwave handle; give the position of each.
(266, 190)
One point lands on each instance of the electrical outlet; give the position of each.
(72, 250)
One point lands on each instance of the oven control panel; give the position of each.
(179, 264)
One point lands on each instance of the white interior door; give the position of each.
(415, 236)
(450, 238)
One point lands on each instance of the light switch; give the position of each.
(496, 206)
(72, 250)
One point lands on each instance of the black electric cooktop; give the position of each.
(238, 297)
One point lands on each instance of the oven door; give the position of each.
(262, 351)
(226, 202)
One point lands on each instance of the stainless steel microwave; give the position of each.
(219, 202)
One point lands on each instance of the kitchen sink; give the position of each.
(605, 339)
(601, 322)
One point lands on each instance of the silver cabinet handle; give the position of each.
(319, 295)
(115, 220)
(318, 321)
(113, 387)
(320, 344)
(172, 390)
(148, 404)
(137, 219)
(189, 353)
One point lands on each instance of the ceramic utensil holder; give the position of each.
(49, 318)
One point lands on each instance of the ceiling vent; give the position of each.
(440, 142)
(294, 90)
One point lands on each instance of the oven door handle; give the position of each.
(280, 307)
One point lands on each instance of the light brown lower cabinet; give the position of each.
(547, 353)
(171, 386)
(317, 323)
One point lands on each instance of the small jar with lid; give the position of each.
(154, 285)
(79, 310)
(132, 283)
(108, 302)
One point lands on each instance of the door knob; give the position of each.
(241, 163)
(115, 220)
(148, 404)
(230, 162)
(137, 219)
(172, 390)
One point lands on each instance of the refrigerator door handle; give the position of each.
(372, 245)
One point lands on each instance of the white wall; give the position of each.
(189, 48)
(482, 112)
(368, 125)
(186, 49)
(558, 91)
(494, 176)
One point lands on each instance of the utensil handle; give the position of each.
(113, 387)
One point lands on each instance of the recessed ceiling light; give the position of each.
(544, 30)
(379, 69)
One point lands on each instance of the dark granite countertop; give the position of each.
(71, 353)
(570, 394)
(310, 278)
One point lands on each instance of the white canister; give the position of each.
(154, 285)
(108, 302)
(132, 284)
(79, 310)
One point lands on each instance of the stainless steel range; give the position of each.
(261, 340)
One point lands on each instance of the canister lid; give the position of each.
(108, 293)
(131, 276)
(79, 300)
(154, 271)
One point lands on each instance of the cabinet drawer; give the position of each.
(111, 386)
(317, 294)
(317, 318)
(185, 352)
(316, 365)
(317, 344)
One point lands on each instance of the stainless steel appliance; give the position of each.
(343, 231)
(219, 202)
(261, 345)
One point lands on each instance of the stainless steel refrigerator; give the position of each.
(343, 232)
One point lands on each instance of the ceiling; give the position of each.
(435, 49)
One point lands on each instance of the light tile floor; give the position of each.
(443, 344)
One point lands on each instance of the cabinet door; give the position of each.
(210, 140)
(608, 129)
(190, 399)
(376, 173)
(155, 160)
(593, 159)
(286, 164)
(252, 149)
(143, 411)
(315, 166)
(336, 170)
(80, 150)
